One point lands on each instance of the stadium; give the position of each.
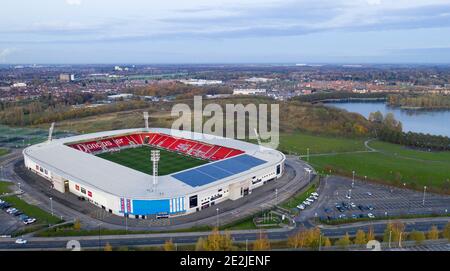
(192, 171)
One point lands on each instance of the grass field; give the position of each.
(139, 159)
(32, 211)
(299, 142)
(3, 151)
(391, 163)
(4, 187)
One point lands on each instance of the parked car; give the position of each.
(327, 210)
(368, 193)
(342, 216)
(315, 194)
(370, 215)
(301, 206)
(353, 205)
(370, 207)
(29, 221)
(310, 200)
(23, 217)
(18, 213)
(21, 241)
(11, 210)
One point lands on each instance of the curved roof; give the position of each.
(122, 181)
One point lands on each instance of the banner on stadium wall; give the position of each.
(122, 205)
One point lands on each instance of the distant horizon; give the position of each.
(293, 64)
(225, 31)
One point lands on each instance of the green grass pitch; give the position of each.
(139, 159)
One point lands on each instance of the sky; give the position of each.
(224, 31)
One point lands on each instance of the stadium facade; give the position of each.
(233, 169)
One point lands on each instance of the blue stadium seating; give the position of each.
(215, 171)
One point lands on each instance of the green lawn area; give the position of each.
(139, 159)
(299, 142)
(32, 211)
(3, 151)
(394, 164)
(4, 187)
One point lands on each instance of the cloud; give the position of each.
(231, 19)
(4, 53)
(73, 2)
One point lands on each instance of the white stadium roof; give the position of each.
(122, 181)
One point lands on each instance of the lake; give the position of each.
(435, 122)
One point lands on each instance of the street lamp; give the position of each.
(353, 179)
(276, 196)
(424, 191)
(18, 184)
(217, 217)
(51, 205)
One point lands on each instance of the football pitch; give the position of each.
(139, 159)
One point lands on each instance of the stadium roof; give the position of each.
(122, 181)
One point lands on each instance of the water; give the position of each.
(420, 121)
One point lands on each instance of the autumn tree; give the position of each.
(107, 247)
(77, 225)
(360, 238)
(262, 243)
(169, 245)
(446, 231)
(215, 242)
(433, 233)
(370, 234)
(417, 236)
(344, 241)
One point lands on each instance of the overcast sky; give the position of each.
(225, 31)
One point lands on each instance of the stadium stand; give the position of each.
(163, 141)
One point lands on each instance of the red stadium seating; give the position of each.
(181, 145)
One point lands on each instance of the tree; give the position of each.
(215, 242)
(360, 238)
(344, 241)
(200, 245)
(370, 234)
(77, 225)
(107, 247)
(326, 242)
(417, 236)
(433, 233)
(168, 245)
(262, 243)
(376, 117)
(393, 232)
(446, 231)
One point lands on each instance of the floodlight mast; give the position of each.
(146, 120)
(50, 132)
(155, 155)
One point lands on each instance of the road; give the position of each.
(191, 238)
